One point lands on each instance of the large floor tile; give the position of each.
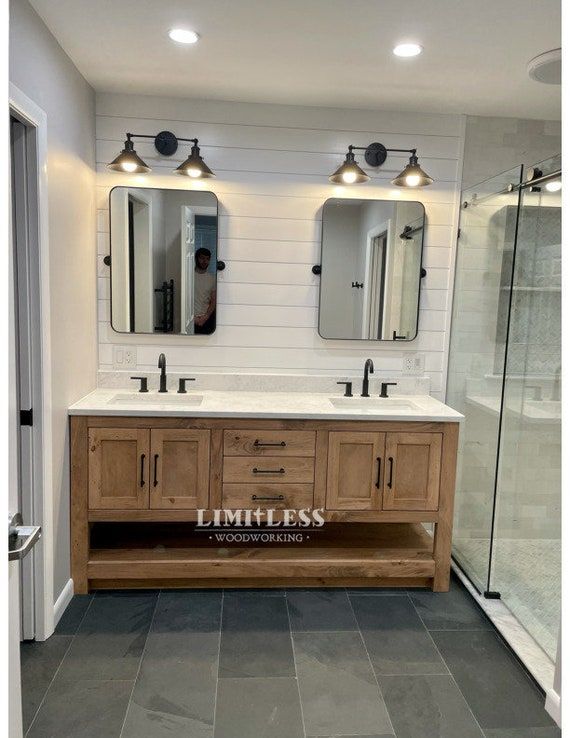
(82, 709)
(428, 707)
(175, 691)
(256, 639)
(493, 682)
(320, 609)
(339, 692)
(111, 638)
(453, 610)
(395, 637)
(258, 708)
(73, 615)
(39, 663)
(187, 611)
(552, 732)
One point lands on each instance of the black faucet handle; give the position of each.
(347, 388)
(182, 384)
(384, 388)
(144, 383)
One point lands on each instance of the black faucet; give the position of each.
(368, 368)
(162, 367)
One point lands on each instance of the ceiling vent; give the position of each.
(546, 67)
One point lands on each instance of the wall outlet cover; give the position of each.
(124, 357)
(413, 364)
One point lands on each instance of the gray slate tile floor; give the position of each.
(278, 664)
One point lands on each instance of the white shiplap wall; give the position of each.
(272, 164)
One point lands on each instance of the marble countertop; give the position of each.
(236, 404)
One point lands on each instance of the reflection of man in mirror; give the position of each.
(204, 293)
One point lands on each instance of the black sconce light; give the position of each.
(375, 155)
(166, 143)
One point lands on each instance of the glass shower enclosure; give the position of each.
(504, 376)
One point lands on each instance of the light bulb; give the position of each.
(349, 177)
(193, 172)
(413, 180)
(129, 166)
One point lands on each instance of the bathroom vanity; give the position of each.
(144, 465)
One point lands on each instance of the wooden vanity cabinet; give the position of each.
(137, 484)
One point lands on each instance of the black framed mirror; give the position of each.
(164, 260)
(371, 269)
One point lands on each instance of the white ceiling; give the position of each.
(318, 52)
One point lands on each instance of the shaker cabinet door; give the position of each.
(118, 468)
(413, 466)
(179, 469)
(355, 470)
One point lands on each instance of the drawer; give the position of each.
(274, 469)
(269, 443)
(275, 496)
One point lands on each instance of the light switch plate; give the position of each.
(124, 357)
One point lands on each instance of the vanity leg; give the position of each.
(79, 504)
(444, 525)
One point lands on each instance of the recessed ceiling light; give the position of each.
(555, 186)
(183, 36)
(407, 49)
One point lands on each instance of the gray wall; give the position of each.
(494, 145)
(42, 70)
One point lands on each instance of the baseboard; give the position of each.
(62, 601)
(552, 705)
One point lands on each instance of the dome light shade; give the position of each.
(194, 166)
(129, 161)
(349, 172)
(412, 175)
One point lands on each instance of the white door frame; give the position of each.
(33, 116)
(378, 230)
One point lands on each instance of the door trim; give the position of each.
(35, 118)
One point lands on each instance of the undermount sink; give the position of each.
(142, 398)
(376, 404)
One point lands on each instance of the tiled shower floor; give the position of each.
(527, 574)
(278, 664)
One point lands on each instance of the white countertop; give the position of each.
(234, 404)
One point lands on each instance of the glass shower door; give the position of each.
(525, 564)
(477, 354)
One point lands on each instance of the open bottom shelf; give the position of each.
(383, 554)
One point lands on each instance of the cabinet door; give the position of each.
(413, 464)
(180, 469)
(355, 468)
(118, 468)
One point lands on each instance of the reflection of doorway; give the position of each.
(187, 238)
(140, 274)
(374, 316)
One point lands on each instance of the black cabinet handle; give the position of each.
(277, 498)
(155, 481)
(258, 443)
(379, 460)
(391, 460)
(143, 457)
(268, 471)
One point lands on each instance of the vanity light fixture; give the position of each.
(166, 143)
(375, 155)
(194, 166)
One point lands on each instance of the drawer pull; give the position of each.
(143, 457)
(268, 471)
(155, 482)
(277, 498)
(258, 443)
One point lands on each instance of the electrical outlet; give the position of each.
(124, 357)
(413, 364)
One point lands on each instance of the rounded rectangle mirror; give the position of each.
(371, 269)
(164, 252)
